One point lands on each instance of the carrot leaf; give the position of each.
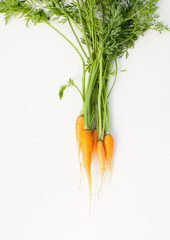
(69, 84)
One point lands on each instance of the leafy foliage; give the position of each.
(109, 28)
(69, 84)
(26, 9)
(63, 88)
(113, 24)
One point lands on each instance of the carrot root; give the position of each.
(87, 149)
(79, 128)
(101, 160)
(95, 139)
(108, 146)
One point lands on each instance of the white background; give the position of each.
(39, 173)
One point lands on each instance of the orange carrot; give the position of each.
(108, 145)
(87, 150)
(79, 129)
(101, 159)
(95, 139)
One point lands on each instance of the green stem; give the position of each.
(83, 78)
(94, 72)
(92, 24)
(104, 97)
(136, 12)
(94, 106)
(91, 83)
(77, 89)
(114, 79)
(107, 129)
(83, 62)
(94, 35)
(100, 136)
(83, 84)
(86, 10)
(104, 113)
(83, 28)
(61, 34)
(92, 79)
(106, 117)
(85, 54)
(67, 15)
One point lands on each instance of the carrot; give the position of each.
(87, 150)
(95, 139)
(79, 129)
(108, 145)
(101, 160)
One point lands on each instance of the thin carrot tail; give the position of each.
(80, 179)
(87, 170)
(101, 159)
(109, 177)
(80, 159)
(101, 182)
(109, 167)
(90, 208)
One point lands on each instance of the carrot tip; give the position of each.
(100, 186)
(109, 177)
(99, 191)
(79, 184)
(90, 208)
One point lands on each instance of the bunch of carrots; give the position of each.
(88, 144)
(104, 31)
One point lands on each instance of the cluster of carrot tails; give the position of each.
(88, 144)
